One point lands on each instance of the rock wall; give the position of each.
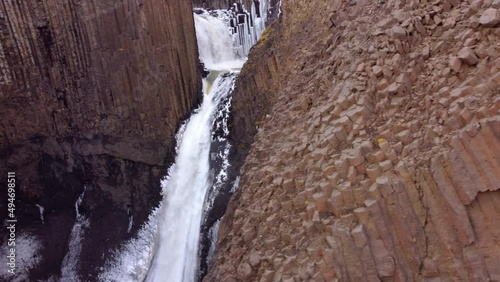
(91, 94)
(379, 157)
(102, 67)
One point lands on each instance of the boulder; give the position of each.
(468, 56)
(398, 32)
(490, 17)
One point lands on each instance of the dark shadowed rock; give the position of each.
(91, 94)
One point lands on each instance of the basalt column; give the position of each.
(91, 93)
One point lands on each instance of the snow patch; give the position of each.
(131, 262)
(27, 257)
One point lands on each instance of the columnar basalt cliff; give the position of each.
(91, 94)
(379, 159)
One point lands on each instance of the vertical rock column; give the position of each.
(91, 93)
(120, 68)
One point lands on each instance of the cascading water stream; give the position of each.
(181, 214)
(185, 192)
(167, 248)
(70, 261)
(186, 189)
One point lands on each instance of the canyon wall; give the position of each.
(378, 157)
(91, 94)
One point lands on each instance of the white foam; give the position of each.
(131, 262)
(181, 213)
(69, 268)
(213, 37)
(41, 209)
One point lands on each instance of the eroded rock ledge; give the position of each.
(379, 160)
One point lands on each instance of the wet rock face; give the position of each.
(220, 4)
(378, 160)
(117, 190)
(91, 93)
(227, 4)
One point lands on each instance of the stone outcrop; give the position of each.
(259, 75)
(378, 159)
(91, 93)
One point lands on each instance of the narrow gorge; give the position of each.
(250, 140)
(110, 176)
(199, 175)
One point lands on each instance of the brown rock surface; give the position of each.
(490, 17)
(87, 68)
(468, 56)
(395, 167)
(91, 94)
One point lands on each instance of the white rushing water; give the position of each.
(185, 191)
(70, 261)
(215, 44)
(180, 216)
(41, 209)
(167, 247)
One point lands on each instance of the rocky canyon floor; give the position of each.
(379, 159)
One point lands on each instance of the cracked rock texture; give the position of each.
(91, 93)
(380, 157)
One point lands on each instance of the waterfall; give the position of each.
(41, 209)
(214, 43)
(186, 189)
(70, 261)
(181, 214)
(172, 234)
